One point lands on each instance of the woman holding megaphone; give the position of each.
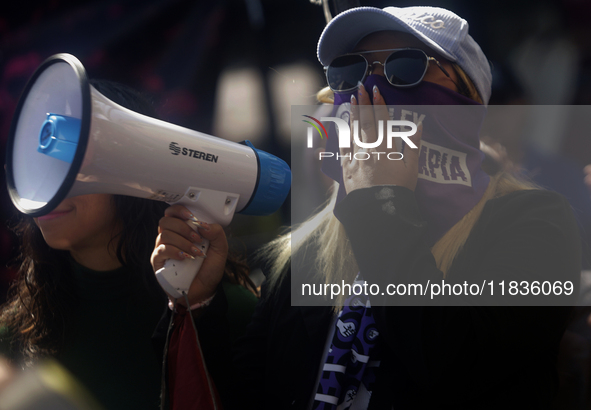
(86, 294)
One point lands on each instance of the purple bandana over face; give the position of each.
(451, 181)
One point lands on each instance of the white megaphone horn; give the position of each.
(67, 139)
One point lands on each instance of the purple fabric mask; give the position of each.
(451, 181)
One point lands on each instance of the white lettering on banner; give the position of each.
(443, 165)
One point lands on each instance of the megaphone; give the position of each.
(67, 139)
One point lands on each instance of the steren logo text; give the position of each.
(177, 150)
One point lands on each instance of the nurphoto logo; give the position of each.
(394, 129)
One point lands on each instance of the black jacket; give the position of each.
(460, 356)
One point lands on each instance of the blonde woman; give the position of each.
(402, 221)
(391, 226)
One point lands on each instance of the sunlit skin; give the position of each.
(176, 240)
(368, 173)
(84, 226)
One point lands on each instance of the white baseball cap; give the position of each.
(440, 29)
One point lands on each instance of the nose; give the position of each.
(376, 67)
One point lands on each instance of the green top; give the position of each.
(110, 349)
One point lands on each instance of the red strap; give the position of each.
(188, 384)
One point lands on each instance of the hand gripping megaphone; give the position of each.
(67, 139)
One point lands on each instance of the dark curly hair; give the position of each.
(38, 311)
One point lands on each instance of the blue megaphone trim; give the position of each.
(59, 137)
(273, 184)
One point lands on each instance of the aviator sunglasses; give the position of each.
(404, 67)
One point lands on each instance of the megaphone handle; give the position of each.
(176, 276)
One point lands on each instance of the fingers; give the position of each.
(185, 248)
(176, 239)
(370, 163)
(367, 121)
(216, 236)
(345, 152)
(179, 211)
(170, 245)
(181, 227)
(366, 114)
(206, 281)
(161, 254)
(369, 113)
(177, 233)
(380, 108)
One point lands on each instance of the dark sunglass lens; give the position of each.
(345, 72)
(406, 67)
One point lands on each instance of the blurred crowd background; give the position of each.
(233, 68)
